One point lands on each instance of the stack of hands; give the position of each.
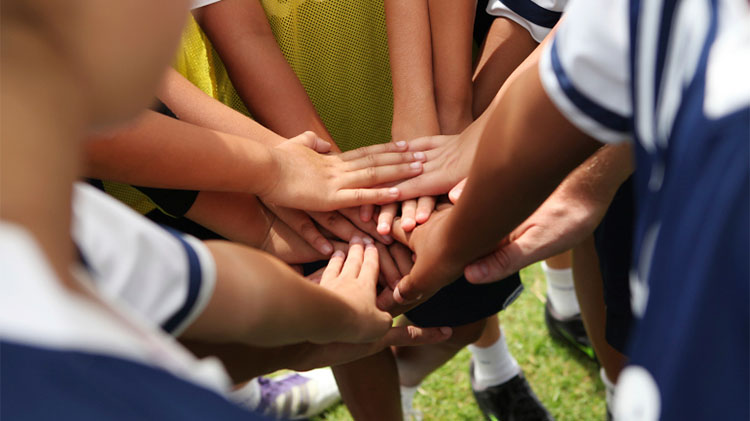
(396, 199)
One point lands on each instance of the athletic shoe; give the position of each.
(411, 414)
(569, 330)
(297, 395)
(510, 401)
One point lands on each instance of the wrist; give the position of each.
(270, 172)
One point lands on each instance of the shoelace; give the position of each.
(271, 389)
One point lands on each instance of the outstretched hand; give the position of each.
(305, 178)
(354, 279)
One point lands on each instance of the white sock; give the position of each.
(493, 365)
(407, 398)
(561, 291)
(609, 389)
(248, 395)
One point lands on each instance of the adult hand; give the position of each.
(304, 178)
(563, 221)
(354, 279)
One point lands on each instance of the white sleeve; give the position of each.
(536, 16)
(164, 276)
(585, 70)
(194, 4)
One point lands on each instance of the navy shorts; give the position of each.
(461, 303)
(614, 244)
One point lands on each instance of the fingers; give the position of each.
(366, 227)
(456, 191)
(413, 336)
(368, 274)
(348, 198)
(403, 258)
(496, 266)
(333, 269)
(373, 176)
(337, 224)
(398, 233)
(379, 160)
(388, 267)
(385, 218)
(354, 259)
(408, 215)
(425, 206)
(301, 223)
(400, 146)
(365, 212)
(312, 141)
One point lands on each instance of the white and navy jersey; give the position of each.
(165, 276)
(673, 76)
(536, 16)
(67, 356)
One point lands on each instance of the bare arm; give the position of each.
(192, 105)
(259, 300)
(452, 24)
(241, 34)
(519, 159)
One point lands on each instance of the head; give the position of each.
(115, 50)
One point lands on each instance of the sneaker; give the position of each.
(569, 330)
(510, 401)
(297, 395)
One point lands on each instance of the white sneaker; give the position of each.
(291, 396)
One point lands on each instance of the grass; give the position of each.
(564, 380)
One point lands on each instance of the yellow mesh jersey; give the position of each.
(339, 51)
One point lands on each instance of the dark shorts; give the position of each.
(614, 244)
(461, 303)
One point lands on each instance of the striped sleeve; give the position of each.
(536, 16)
(585, 69)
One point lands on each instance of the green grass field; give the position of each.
(566, 382)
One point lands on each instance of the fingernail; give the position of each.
(369, 246)
(457, 192)
(383, 227)
(419, 156)
(356, 240)
(367, 240)
(422, 216)
(327, 248)
(416, 165)
(397, 296)
(393, 191)
(446, 330)
(388, 239)
(401, 143)
(338, 253)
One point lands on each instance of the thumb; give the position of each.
(406, 292)
(456, 191)
(498, 265)
(312, 141)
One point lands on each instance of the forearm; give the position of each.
(192, 105)
(238, 217)
(452, 24)
(410, 51)
(241, 34)
(259, 300)
(159, 151)
(518, 163)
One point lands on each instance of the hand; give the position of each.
(313, 356)
(354, 280)
(304, 178)
(432, 269)
(448, 160)
(560, 223)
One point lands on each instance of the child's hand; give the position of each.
(354, 279)
(413, 212)
(306, 179)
